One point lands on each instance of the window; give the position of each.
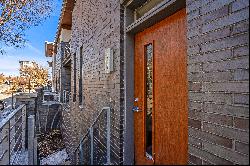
(149, 97)
(56, 85)
(143, 9)
(80, 78)
(74, 94)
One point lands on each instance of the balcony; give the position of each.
(66, 100)
(65, 51)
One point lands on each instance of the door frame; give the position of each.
(131, 28)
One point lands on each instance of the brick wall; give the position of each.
(218, 74)
(95, 27)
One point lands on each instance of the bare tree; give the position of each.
(16, 16)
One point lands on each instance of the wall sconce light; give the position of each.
(109, 67)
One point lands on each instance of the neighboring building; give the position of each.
(174, 73)
(24, 64)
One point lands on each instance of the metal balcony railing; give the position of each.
(65, 51)
(94, 147)
(13, 136)
(66, 98)
(57, 97)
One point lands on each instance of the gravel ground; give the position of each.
(50, 143)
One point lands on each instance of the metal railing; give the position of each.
(66, 97)
(12, 136)
(94, 147)
(65, 50)
(57, 96)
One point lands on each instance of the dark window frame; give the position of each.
(74, 94)
(80, 79)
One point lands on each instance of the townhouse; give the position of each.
(173, 73)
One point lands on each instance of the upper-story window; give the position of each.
(80, 79)
(145, 7)
(74, 85)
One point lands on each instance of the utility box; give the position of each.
(109, 67)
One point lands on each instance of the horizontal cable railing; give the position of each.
(12, 136)
(94, 147)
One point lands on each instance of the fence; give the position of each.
(94, 147)
(12, 136)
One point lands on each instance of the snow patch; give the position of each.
(19, 158)
(5, 113)
(55, 158)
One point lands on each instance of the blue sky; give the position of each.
(34, 49)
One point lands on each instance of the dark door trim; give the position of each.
(160, 12)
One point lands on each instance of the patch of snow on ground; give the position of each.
(55, 158)
(19, 158)
(7, 99)
(5, 113)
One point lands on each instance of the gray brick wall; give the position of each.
(96, 26)
(218, 75)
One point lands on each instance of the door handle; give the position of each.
(136, 109)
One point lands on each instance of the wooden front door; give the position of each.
(160, 112)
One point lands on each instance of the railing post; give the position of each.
(9, 137)
(108, 136)
(81, 152)
(23, 127)
(64, 94)
(91, 146)
(12, 100)
(59, 97)
(31, 135)
(35, 151)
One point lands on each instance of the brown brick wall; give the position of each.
(218, 74)
(96, 26)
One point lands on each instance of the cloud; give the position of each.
(30, 49)
(34, 49)
(9, 62)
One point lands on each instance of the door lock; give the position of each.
(136, 109)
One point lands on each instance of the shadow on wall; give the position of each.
(49, 117)
(48, 113)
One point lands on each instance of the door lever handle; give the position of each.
(136, 109)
